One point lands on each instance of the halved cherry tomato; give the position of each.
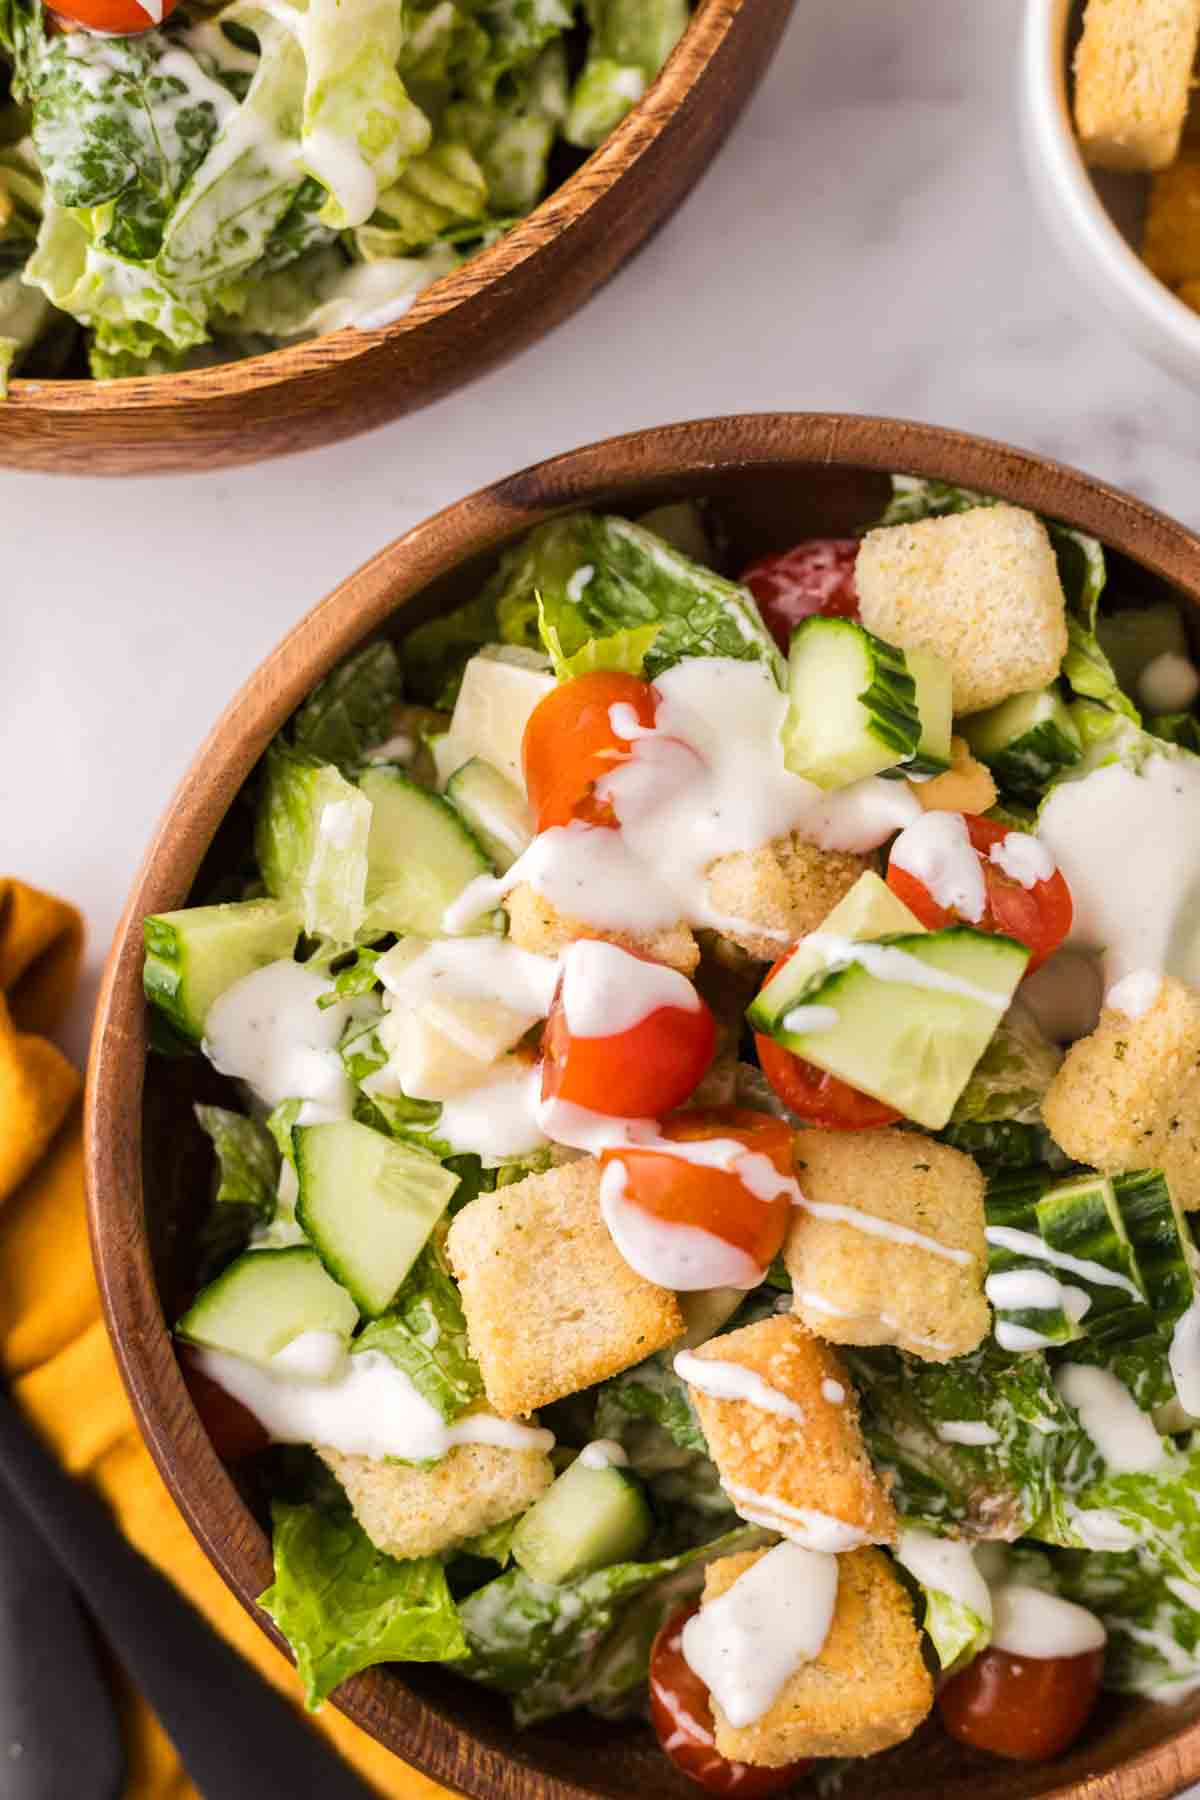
(123, 17)
(816, 576)
(811, 1093)
(713, 1199)
(1039, 917)
(681, 1712)
(641, 1073)
(1028, 1708)
(235, 1432)
(570, 743)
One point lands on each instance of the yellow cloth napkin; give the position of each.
(54, 1348)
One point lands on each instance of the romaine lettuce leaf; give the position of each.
(1152, 1619)
(623, 651)
(647, 1411)
(311, 841)
(343, 1605)
(997, 1117)
(517, 32)
(956, 1633)
(630, 42)
(424, 1332)
(102, 289)
(248, 1160)
(438, 192)
(350, 711)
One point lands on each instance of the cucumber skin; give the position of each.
(1080, 1218)
(165, 971)
(534, 1542)
(1156, 1235)
(889, 698)
(1025, 761)
(1011, 1201)
(300, 1256)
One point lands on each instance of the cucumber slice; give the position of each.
(495, 808)
(935, 709)
(1080, 1218)
(869, 910)
(853, 705)
(264, 1300)
(1134, 637)
(586, 1520)
(1011, 1205)
(310, 838)
(420, 857)
(1026, 741)
(368, 1203)
(500, 688)
(906, 1029)
(1158, 1237)
(193, 955)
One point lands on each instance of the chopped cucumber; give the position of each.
(869, 910)
(935, 709)
(910, 1028)
(1136, 636)
(420, 856)
(495, 808)
(264, 1300)
(193, 955)
(368, 1203)
(853, 708)
(500, 688)
(704, 1311)
(1012, 1205)
(682, 526)
(1080, 1218)
(310, 837)
(1026, 741)
(1159, 1239)
(586, 1520)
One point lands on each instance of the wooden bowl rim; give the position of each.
(695, 450)
(560, 210)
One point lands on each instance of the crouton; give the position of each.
(852, 1286)
(966, 787)
(1128, 1096)
(869, 1687)
(980, 587)
(552, 1306)
(1132, 72)
(1171, 243)
(534, 924)
(809, 1477)
(419, 1512)
(779, 892)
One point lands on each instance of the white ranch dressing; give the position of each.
(1031, 1290)
(1135, 993)
(368, 1408)
(606, 991)
(578, 582)
(1022, 858)
(471, 968)
(1128, 843)
(800, 1524)
(976, 1434)
(1169, 683)
(937, 851)
(499, 1117)
(1027, 1621)
(727, 1380)
(833, 1392)
(882, 1228)
(603, 1453)
(1121, 1431)
(339, 165)
(682, 1257)
(268, 1031)
(747, 1643)
(947, 1566)
(811, 1018)
(336, 824)
(1184, 1359)
(1024, 1243)
(1099, 1528)
(886, 962)
(313, 1356)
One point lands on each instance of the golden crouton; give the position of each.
(800, 1477)
(856, 1286)
(552, 1306)
(778, 893)
(534, 924)
(1132, 72)
(1171, 244)
(980, 587)
(966, 787)
(869, 1687)
(418, 1512)
(1128, 1096)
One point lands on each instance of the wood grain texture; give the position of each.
(498, 303)
(773, 478)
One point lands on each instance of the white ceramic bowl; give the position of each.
(1083, 212)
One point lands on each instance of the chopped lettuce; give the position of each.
(343, 1605)
(311, 842)
(647, 1411)
(1152, 1618)
(424, 1332)
(350, 712)
(997, 1117)
(956, 1633)
(248, 1160)
(630, 42)
(623, 651)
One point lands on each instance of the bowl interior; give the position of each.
(452, 1729)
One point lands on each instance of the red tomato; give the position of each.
(1039, 917)
(124, 17)
(570, 743)
(1024, 1707)
(714, 1200)
(681, 1711)
(235, 1432)
(816, 576)
(810, 1092)
(636, 1074)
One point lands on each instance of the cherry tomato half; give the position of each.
(811, 1093)
(640, 1073)
(681, 1712)
(816, 576)
(125, 18)
(1039, 917)
(1024, 1707)
(713, 1199)
(235, 1432)
(570, 743)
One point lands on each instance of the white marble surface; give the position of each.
(865, 242)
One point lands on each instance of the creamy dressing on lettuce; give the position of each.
(269, 1031)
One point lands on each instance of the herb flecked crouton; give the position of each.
(867, 1690)
(799, 1476)
(779, 892)
(551, 1304)
(535, 924)
(418, 1512)
(853, 1286)
(1132, 75)
(981, 588)
(1128, 1096)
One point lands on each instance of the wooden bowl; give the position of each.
(774, 478)
(496, 304)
